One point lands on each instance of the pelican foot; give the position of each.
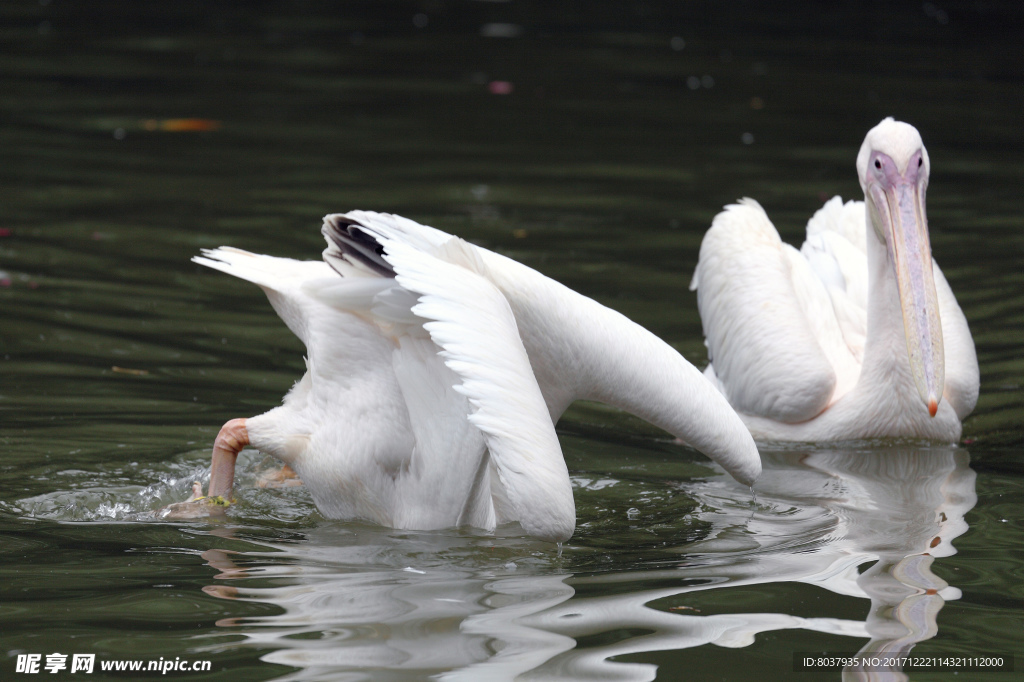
(195, 507)
(285, 477)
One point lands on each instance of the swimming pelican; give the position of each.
(436, 370)
(858, 334)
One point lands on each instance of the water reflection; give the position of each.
(464, 607)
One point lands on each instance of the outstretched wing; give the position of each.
(473, 325)
(775, 344)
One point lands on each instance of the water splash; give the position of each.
(93, 496)
(103, 495)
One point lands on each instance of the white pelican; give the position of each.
(436, 370)
(857, 335)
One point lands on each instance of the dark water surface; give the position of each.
(594, 145)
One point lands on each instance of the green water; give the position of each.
(627, 127)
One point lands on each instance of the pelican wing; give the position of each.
(770, 328)
(472, 324)
(836, 251)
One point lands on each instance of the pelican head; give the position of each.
(893, 169)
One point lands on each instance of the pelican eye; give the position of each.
(878, 164)
(920, 162)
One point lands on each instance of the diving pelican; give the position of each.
(436, 371)
(855, 336)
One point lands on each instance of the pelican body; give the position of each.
(436, 371)
(857, 335)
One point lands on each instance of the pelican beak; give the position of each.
(899, 217)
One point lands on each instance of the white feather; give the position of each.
(750, 306)
(473, 325)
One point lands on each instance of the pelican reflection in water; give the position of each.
(472, 607)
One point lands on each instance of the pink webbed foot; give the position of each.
(230, 441)
(285, 477)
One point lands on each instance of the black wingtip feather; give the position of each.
(348, 239)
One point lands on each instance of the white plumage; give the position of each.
(857, 334)
(436, 372)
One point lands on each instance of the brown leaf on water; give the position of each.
(182, 125)
(133, 372)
